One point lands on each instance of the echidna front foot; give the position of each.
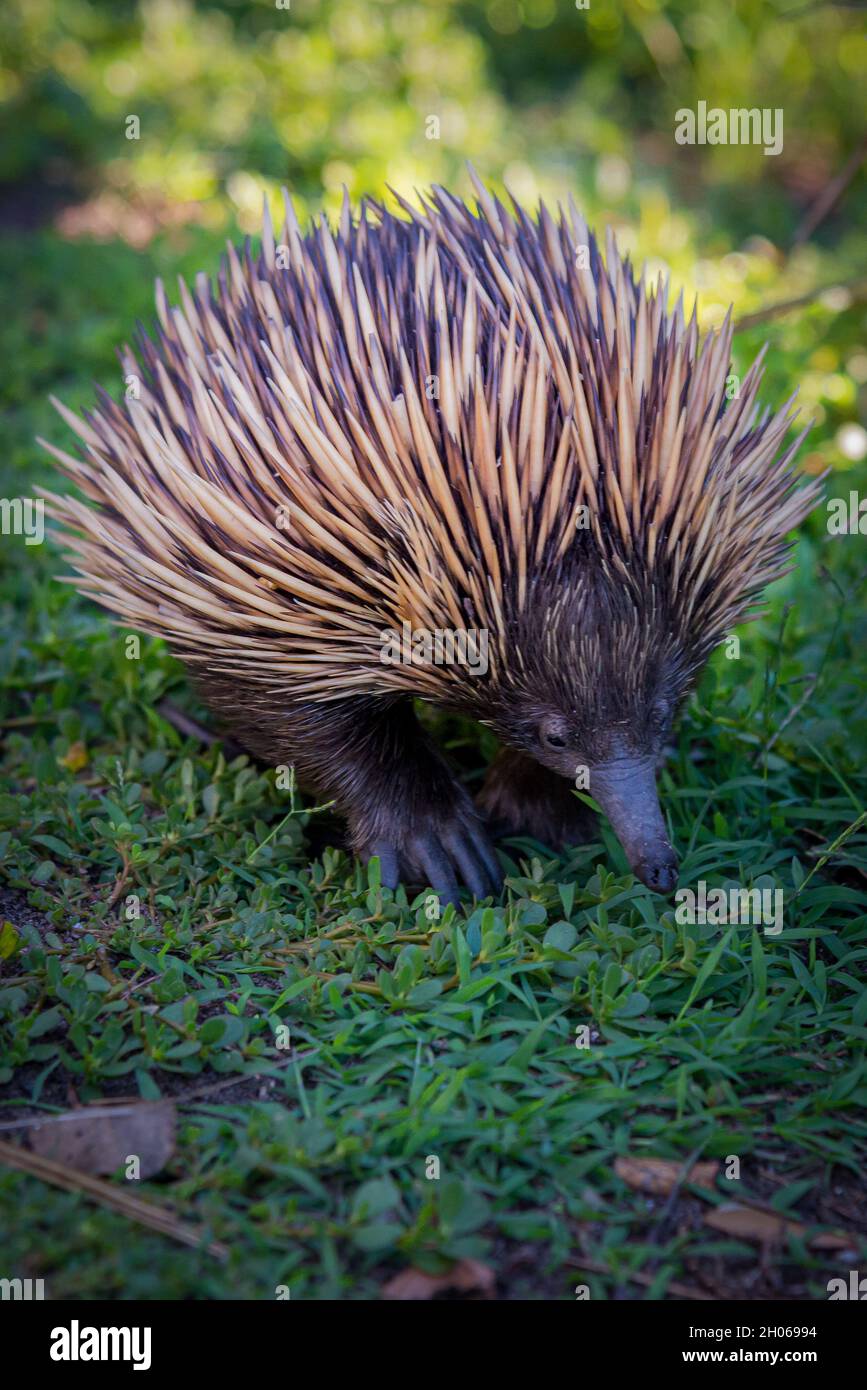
(401, 800)
(447, 849)
(370, 755)
(520, 797)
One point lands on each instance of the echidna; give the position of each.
(442, 422)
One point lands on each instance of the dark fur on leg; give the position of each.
(521, 798)
(370, 755)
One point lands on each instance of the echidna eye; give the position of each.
(554, 735)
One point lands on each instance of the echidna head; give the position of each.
(601, 677)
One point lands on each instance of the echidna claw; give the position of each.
(427, 852)
(442, 857)
(476, 861)
(389, 862)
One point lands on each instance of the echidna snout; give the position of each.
(626, 791)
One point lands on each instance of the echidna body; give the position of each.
(445, 422)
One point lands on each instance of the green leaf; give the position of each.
(561, 936)
(373, 1198)
(567, 897)
(611, 980)
(378, 1236)
(707, 969)
(45, 1022)
(805, 979)
(521, 1057)
(463, 958)
(58, 846)
(425, 991)
(10, 940)
(148, 1088)
(449, 1095)
(222, 1031)
(634, 1004)
(859, 1013)
(760, 969)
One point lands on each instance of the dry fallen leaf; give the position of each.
(467, 1276)
(660, 1175)
(770, 1228)
(101, 1139)
(111, 1195)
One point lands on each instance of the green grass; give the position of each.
(410, 1038)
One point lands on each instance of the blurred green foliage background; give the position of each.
(331, 91)
(238, 97)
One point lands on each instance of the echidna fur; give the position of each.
(453, 419)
